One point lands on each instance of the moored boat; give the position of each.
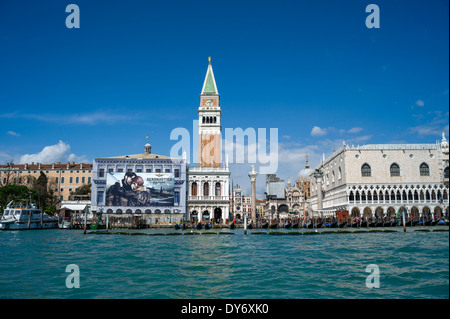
(65, 224)
(342, 225)
(24, 214)
(208, 225)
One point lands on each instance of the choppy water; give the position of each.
(412, 265)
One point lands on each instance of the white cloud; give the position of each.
(12, 133)
(51, 154)
(420, 103)
(317, 131)
(355, 130)
(101, 117)
(426, 130)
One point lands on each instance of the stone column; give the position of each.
(318, 175)
(252, 176)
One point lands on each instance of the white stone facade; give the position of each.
(380, 180)
(208, 197)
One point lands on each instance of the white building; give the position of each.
(380, 180)
(209, 182)
(150, 185)
(241, 204)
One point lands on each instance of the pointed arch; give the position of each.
(395, 169)
(424, 169)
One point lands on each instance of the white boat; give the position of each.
(65, 224)
(25, 215)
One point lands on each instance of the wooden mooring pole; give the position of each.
(85, 221)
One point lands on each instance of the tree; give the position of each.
(15, 192)
(41, 188)
(84, 189)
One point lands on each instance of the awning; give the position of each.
(73, 207)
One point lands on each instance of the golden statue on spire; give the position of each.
(209, 60)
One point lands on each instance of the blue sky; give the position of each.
(133, 69)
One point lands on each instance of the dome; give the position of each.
(305, 173)
(444, 143)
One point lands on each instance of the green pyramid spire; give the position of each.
(209, 86)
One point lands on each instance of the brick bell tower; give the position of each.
(209, 128)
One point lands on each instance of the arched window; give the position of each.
(217, 189)
(194, 189)
(424, 169)
(215, 119)
(395, 170)
(366, 170)
(339, 174)
(446, 173)
(203, 119)
(206, 189)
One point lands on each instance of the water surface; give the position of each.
(412, 265)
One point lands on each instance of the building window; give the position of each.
(148, 170)
(206, 189)
(120, 170)
(158, 170)
(424, 169)
(62, 180)
(177, 172)
(217, 189)
(446, 173)
(176, 198)
(100, 198)
(77, 180)
(395, 170)
(89, 180)
(101, 173)
(366, 170)
(71, 180)
(111, 170)
(56, 180)
(167, 170)
(83, 179)
(194, 189)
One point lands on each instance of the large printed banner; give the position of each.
(145, 189)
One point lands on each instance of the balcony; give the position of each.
(208, 198)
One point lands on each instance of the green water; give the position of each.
(412, 265)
